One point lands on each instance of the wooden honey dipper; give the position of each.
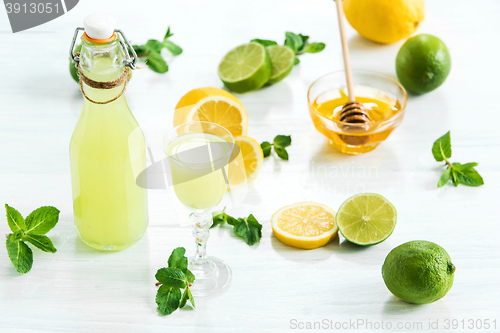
(353, 111)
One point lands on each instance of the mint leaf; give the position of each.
(168, 299)
(441, 149)
(15, 219)
(249, 229)
(296, 61)
(231, 220)
(40, 241)
(140, 50)
(459, 173)
(18, 235)
(156, 63)
(168, 34)
(184, 299)
(264, 42)
(38, 222)
(293, 41)
(282, 140)
(303, 45)
(178, 260)
(172, 277)
(189, 276)
(20, 254)
(153, 45)
(315, 47)
(173, 48)
(467, 175)
(188, 295)
(445, 177)
(42, 220)
(454, 177)
(266, 148)
(218, 218)
(281, 152)
(221, 217)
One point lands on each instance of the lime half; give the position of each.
(246, 67)
(282, 58)
(366, 219)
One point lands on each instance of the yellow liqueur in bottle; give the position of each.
(107, 152)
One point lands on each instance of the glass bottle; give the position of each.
(107, 148)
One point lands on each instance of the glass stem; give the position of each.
(201, 222)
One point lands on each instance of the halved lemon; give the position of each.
(213, 105)
(306, 225)
(246, 166)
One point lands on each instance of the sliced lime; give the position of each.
(246, 67)
(282, 58)
(366, 219)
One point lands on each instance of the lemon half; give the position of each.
(306, 225)
(246, 166)
(213, 105)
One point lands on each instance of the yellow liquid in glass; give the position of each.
(197, 186)
(380, 107)
(107, 152)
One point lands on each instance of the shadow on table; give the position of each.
(344, 246)
(397, 306)
(300, 255)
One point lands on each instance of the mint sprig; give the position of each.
(172, 279)
(458, 173)
(297, 42)
(32, 230)
(280, 142)
(152, 52)
(247, 228)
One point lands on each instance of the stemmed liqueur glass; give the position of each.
(198, 154)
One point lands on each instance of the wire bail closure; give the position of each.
(129, 61)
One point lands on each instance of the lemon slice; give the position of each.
(306, 225)
(213, 105)
(246, 166)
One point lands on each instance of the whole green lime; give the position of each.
(418, 272)
(423, 63)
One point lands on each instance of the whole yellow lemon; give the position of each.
(384, 21)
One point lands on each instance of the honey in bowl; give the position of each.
(382, 108)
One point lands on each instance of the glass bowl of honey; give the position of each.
(383, 97)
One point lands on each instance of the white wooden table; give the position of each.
(275, 287)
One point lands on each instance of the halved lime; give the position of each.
(366, 219)
(282, 58)
(246, 67)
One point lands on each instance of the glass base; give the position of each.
(213, 276)
(354, 149)
(110, 247)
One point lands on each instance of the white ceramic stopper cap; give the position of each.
(99, 26)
